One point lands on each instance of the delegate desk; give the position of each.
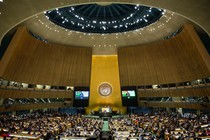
(25, 136)
(73, 138)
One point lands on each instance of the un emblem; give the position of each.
(105, 89)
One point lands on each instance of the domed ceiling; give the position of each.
(102, 19)
(102, 26)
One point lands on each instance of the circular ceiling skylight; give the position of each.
(103, 19)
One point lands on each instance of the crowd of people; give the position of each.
(157, 125)
(50, 125)
(162, 125)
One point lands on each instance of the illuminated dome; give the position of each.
(102, 19)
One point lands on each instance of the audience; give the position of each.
(157, 125)
(161, 125)
(50, 125)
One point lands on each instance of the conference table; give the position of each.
(25, 136)
(73, 138)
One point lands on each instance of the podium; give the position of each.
(105, 112)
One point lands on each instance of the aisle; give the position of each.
(105, 126)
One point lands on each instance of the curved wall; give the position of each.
(197, 106)
(181, 58)
(29, 60)
(185, 92)
(33, 106)
(21, 93)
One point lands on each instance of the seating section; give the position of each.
(49, 125)
(54, 125)
(26, 86)
(198, 83)
(160, 125)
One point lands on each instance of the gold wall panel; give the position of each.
(105, 70)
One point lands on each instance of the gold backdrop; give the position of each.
(105, 69)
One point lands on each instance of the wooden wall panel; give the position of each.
(34, 106)
(18, 38)
(36, 62)
(198, 106)
(15, 94)
(199, 45)
(185, 92)
(168, 61)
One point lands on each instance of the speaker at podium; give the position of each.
(105, 109)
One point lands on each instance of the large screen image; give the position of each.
(128, 93)
(129, 96)
(81, 94)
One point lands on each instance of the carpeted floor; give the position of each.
(105, 126)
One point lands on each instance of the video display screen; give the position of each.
(81, 95)
(128, 93)
(129, 96)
